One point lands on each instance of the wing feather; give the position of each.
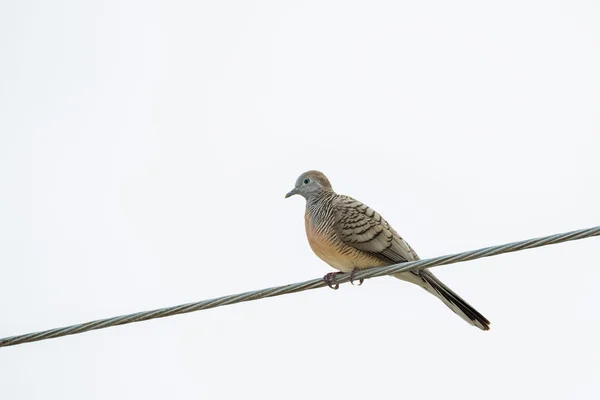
(361, 227)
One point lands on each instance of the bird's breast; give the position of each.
(326, 245)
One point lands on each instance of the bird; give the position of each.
(351, 236)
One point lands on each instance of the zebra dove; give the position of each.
(349, 236)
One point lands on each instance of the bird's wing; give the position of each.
(361, 227)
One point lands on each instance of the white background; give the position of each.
(145, 149)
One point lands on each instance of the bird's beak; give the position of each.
(291, 193)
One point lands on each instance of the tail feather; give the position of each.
(460, 307)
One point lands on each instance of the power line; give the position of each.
(300, 286)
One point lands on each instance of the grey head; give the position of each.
(311, 184)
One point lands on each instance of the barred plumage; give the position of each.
(348, 234)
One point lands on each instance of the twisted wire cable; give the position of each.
(300, 286)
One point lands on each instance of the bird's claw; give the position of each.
(352, 274)
(330, 280)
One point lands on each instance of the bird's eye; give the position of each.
(307, 181)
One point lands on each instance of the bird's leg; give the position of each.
(330, 280)
(352, 274)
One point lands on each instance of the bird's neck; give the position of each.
(319, 207)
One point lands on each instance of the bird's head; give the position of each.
(309, 184)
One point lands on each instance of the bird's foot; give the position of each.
(352, 274)
(330, 280)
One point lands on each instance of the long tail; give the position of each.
(433, 285)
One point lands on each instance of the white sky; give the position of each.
(145, 149)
